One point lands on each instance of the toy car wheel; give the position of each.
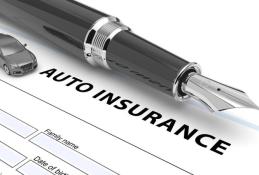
(6, 69)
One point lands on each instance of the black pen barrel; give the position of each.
(100, 39)
(138, 58)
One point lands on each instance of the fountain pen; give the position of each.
(103, 40)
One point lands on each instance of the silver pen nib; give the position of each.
(216, 96)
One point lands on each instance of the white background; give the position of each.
(222, 36)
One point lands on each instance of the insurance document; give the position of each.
(68, 118)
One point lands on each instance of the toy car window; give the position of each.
(12, 48)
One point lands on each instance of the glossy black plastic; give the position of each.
(140, 59)
(64, 22)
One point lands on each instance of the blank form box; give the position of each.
(32, 168)
(15, 125)
(72, 157)
(9, 156)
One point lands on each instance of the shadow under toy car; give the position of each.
(15, 59)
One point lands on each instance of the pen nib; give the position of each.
(216, 96)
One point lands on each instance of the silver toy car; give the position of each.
(15, 59)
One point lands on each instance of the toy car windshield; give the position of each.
(12, 48)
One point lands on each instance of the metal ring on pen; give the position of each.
(190, 68)
(98, 39)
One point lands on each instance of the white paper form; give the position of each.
(62, 129)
